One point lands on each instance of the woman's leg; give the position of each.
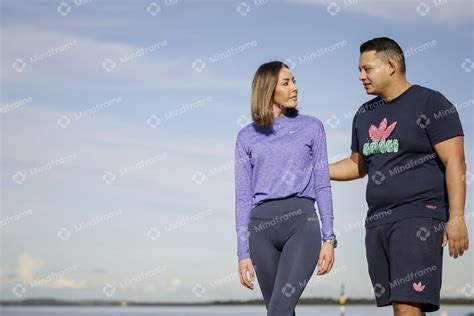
(265, 256)
(301, 237)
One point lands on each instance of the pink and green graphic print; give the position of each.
(380, 143)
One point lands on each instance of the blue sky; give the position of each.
(134, 137)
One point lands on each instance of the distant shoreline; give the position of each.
(303, 301)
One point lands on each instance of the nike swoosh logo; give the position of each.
(292, 132)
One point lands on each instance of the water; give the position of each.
(212, 310)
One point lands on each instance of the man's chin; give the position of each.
(370, 91)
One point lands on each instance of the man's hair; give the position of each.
(386, 48)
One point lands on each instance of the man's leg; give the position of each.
(407, 309)
(416, 264)
(376, 247)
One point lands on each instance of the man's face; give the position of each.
(373, 72)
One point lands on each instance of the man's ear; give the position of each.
(393, 65)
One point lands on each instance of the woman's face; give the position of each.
(286, 91)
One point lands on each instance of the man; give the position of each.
(409, 141)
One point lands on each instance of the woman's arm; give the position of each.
(323, 198)
(243, 196)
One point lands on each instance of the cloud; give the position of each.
(28, 272)
(439, 11)
(28, 267)
(81, 64)
(66, 283)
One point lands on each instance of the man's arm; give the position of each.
(451, 153)
(348, 169)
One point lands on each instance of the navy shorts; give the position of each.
(405, 261)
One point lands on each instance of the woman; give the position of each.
(281, 169)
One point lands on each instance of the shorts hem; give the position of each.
(432, 306)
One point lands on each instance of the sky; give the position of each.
(119, 121)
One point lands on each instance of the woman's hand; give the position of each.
(245, 265)
(326, 258)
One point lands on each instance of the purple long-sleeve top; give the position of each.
(290, 159)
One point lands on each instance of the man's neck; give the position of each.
(395, 90)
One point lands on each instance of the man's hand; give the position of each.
(326, 258)
(245, 266)
(348, 169)
(456, 233)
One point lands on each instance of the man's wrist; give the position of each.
(456, 212)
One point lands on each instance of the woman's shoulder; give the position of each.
(307, 118)
(245, 131)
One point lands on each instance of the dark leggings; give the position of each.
(284, 244)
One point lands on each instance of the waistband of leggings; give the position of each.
(277, 207)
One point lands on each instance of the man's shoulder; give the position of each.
(370, 105)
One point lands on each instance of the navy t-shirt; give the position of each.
(406, 178)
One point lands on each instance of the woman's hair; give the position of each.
(263, 91)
